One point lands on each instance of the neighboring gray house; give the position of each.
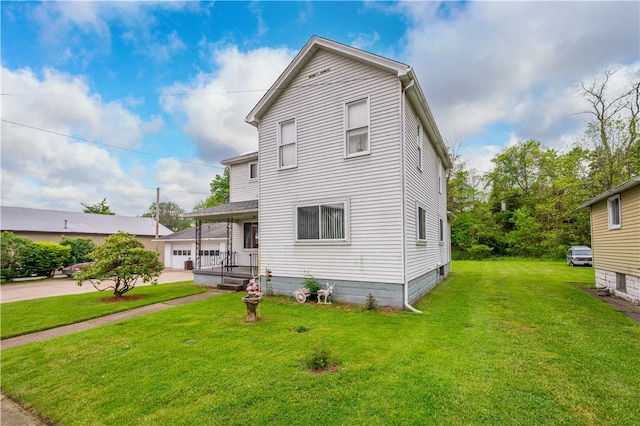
(51, 225)
(350, 179)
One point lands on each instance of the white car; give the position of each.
(580, 256)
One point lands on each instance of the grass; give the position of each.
(499, 343)
(29, 316)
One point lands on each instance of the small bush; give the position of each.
(371, 304)
(311, 284)
(320, 358)
(301, 329)
(479, 251)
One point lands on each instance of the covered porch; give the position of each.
(233, 268)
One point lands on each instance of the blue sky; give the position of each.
(114, 99)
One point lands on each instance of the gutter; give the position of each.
(405, 284)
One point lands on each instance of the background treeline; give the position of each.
(527, 204)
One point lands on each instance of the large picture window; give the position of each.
(615, 213)
(251, 235)
(357, 127)
(287, 151)
(422, 224)
(321, 222)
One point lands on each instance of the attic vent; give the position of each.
(315, 74)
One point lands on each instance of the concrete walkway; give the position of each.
(12, 414)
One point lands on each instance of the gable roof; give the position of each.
(210, 231)
(402, 71)
(613, 191)
(242, 158)
(24, 219)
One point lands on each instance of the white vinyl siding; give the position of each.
(371, 186)
(357, 127)
(287, 146)
(241, 187)
(423, 189)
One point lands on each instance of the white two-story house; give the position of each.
(350, 180)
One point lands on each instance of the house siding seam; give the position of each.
(370, 184)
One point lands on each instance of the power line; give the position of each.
(85, 181)
(109, 145)
(225, 92)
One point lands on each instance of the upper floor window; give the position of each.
(253, 171)
(321, 221)
(419, 142)
(287, 151)
(439, 177)
(357, 127)
(441, 231)
(615, 212)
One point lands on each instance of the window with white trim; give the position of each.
(615, 212)
(253, 171)
(421, 221)
(441, 231)
(357, 127)
(321, 222)
(287, 151)
(251, 235)
(419, 142)
(439, 177)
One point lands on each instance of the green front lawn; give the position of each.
(498, 343)
(29, 316)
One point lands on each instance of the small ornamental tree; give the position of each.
(122, 259)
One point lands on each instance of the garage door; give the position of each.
(180, 253)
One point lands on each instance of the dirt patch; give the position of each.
(114, 299)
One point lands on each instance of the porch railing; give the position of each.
(210, 259)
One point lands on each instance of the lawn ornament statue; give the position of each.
(326, 294)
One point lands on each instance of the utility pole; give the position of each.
(157, 216)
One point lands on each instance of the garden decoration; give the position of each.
(303, 293)
(252, 299)
(326, 294)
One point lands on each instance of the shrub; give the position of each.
(320, 358)
(301, 329)
(479, 251)
(311, 284)
(15, 252)
(81, 249)
(371, 303)
(47, 257)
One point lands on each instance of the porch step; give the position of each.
(234, 284)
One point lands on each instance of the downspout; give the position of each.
(404, 200)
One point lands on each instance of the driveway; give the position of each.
(25, 290)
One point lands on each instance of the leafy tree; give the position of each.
(81, 249)
(612, 133)
(99, 208)
(219, 191)
(122, 259)
(15, 252)
(171, 215)
(47, 257)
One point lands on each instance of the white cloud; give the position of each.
(518, 63)
(46, 169)
(215, 105)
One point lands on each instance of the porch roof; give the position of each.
(224, 211)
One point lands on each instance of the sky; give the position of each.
(115, 99)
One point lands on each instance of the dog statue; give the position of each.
(326, 294)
